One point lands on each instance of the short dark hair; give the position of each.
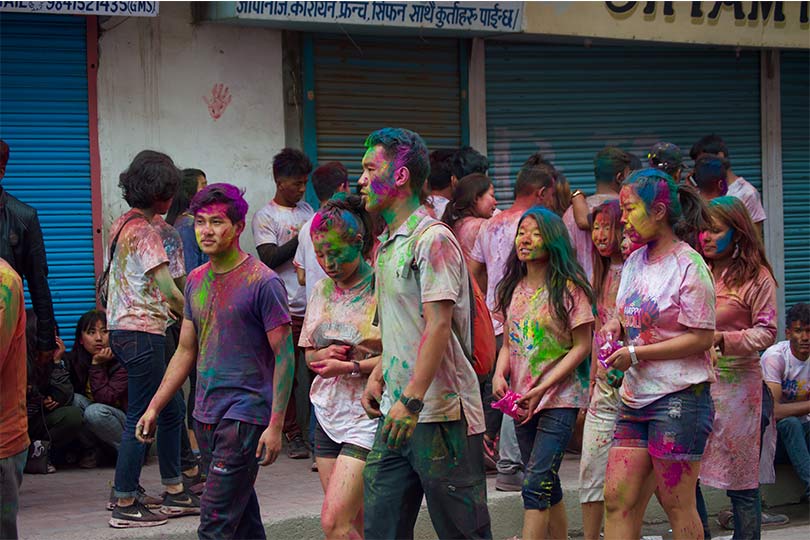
(467, 160)
(291, 163)
(609, 162)
(151, 177)
(635, 161)
(407, 149)
(798, 313)
(441, 169)
(188, 187)
(535, 173)
(710, 144)
(227, 194)
(5, 151)
(709, 168)
(328, 178)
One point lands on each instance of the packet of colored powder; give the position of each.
(607, 348)
(508, 404)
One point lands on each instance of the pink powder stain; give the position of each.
(674, 473)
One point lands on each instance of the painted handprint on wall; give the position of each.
(219, 100)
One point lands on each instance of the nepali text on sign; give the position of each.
(129, 9)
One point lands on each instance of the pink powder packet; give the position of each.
(606, 349)
(508, 404)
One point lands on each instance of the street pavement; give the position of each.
(70, 505)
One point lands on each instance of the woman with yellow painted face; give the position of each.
(666, 318)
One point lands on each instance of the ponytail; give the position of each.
(694, 216)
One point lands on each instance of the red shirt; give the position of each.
(13, 417)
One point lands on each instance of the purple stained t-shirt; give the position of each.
(232, 313)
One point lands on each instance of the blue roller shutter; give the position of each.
(44, 119)
(365, 83)
(795, 81)
(570, 101)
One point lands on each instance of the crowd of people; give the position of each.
(629, 323)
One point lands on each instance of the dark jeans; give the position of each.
(793, 445)
(11, 477)
(542, 443)
(492, 417)
(441, 462)
(187, 458)
(228, 506)
(142, 355)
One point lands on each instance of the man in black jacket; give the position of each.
(21, 245)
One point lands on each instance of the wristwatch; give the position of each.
(633, 357)
(355, 368)
(413, 405)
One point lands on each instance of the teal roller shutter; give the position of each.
(569, 102)
(795, 81)
(44, 119)
(366, 83)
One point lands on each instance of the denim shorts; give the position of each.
(325, 447)
(673, 428)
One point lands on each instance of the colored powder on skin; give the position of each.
(674, 473)
(725, 241)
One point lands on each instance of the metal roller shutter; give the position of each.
(44, 119)
(795, 81)
(569, 102)
(364, 83)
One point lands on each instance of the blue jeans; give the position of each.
(542, 444)
(229, 507)
(141, 354)
(746, 507)
(794, 441)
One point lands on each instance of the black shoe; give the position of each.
(135, 515)
(297, 448)
(147, 500)
(180, 504)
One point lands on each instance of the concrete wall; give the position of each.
(153, 76)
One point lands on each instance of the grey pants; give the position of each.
(11, 475)
(102, 422)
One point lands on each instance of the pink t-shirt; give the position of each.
(581, 240)
(537, 339)
(749, 196)
(492, 247)
(467, 230)
(660, 299)
(135, 301)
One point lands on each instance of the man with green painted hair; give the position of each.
(236, 330)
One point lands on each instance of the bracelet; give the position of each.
(633, 357)
(355, 368)
(577, 192)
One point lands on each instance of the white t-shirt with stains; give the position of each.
(793, 375)
(749, 196)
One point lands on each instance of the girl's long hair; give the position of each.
(181, 201)
(562, 266)
(601, 265)
(333, 215)
(86, 322)
(745, 267)
(687, 212)
(462, 202)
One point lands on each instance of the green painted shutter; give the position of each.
(364, 83)
(44, 119)
(795, 81)
(569, 102)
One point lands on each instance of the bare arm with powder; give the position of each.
(786, 410)
(280, 339)
(400, 423)
(579, 207)
(168, 287)
(479, 273)
(499, 384)
(181, 364)
(337, 360)
(693, 341)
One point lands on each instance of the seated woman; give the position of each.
(99, 385)
(49, 398)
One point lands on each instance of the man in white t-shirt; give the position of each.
(786, 370)
(737, 185)
(275, 231)
(495, 241)
(327, 180)
(440, 183)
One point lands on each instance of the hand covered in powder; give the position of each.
(269, 445)
(527, 405)
(611, 330)
(372, 395)
(398, 426)
(619, 360)
(331, 368)
(499, 385)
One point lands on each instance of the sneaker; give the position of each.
(197, 489)
(135, 515)
(314, 467)
(180, 504)
(509, 482)
(297, 448)
(774, 519)
(726, 520)
(146, 500)
(198, 478)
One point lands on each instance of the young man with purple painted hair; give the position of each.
(244, 360)
(424, 388)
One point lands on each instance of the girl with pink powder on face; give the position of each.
(342, 347)
(746, 324)
(666, 317)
